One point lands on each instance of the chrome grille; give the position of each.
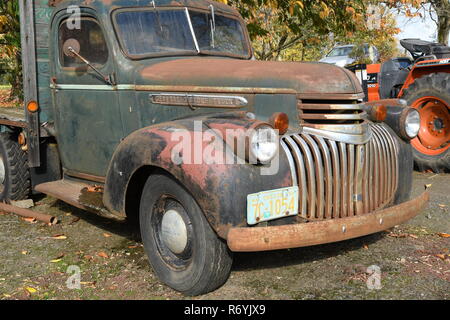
(337, 179)
(342, 116)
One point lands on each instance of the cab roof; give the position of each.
(109, 5)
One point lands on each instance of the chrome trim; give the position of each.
(318, 106)
(339, 179)
(318, 116)
(93, 87)
(341, 137)
(198, 100)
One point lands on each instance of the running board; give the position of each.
(78, 194)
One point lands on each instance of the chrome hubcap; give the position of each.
(174, 231)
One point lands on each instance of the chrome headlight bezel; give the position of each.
(411, 123)
(405, 121)
(263, 144)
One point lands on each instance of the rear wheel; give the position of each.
(182, 248)
(431, 96)
(14, 172)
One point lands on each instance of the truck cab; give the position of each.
(157, 111)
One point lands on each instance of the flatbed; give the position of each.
(13, 116)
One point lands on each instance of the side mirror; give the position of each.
(71, 48)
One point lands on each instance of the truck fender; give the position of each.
(219, 189)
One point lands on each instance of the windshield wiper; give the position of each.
(157, 15)
(213, 25)
(188, 16)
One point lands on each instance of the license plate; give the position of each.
(272, 204)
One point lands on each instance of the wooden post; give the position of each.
(28, 40)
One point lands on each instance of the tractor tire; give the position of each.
(431, 96)
(183, 250)
(14, 172)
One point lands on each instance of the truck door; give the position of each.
(87, 117)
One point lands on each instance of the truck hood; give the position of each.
(296, 77)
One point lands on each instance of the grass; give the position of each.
(5, 87)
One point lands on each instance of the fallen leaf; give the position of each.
(398, 235)
(95, 189)
(59, 237)
(88, 257)
(88, 284)
(6, 295)
(443, 206)
(74, 220)
(132, 247)
(29, 219)
(366, 247)
(441, 256)
(444, 235)
(428, 186)
(106, 235)
(24, 252)
(413, 236)
(55, 260)
(31, 289)
(103, 255)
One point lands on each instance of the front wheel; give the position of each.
(431, 96)
(182, 248)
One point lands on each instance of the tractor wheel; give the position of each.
(431, 96)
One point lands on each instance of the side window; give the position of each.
(92, 43)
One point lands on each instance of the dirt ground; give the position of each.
(414, 260)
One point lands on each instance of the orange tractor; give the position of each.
(424, 82)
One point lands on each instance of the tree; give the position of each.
(438, 10)
(10, 54)
(276, 26)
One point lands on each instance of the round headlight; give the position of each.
(412, 123)
(264, 142)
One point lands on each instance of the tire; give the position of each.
(14, 172)
(431, 96)
(194, 264)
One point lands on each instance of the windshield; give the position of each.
(340, 52)
(172, 32)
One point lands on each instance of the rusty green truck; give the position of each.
(162, 110)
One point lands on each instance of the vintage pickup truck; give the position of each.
(114, 87)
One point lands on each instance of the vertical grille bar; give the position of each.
(359, 179)
(299, 172)
(311, 180)
(320, 196)
(344, 180)
(351, 174)
(337, 179)
(328, 176)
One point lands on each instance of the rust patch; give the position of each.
(301, 77)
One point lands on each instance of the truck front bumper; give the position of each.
(314, 233)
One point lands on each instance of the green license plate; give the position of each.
(272, 204)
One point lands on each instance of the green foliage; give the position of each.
(10, 55)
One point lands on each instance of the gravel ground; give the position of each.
(413, 260)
